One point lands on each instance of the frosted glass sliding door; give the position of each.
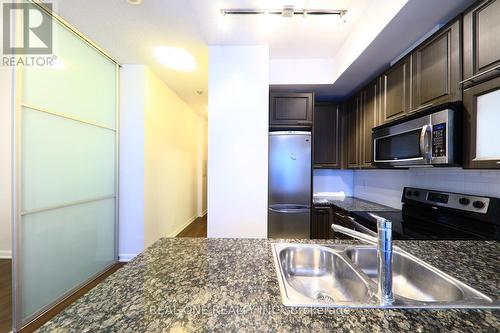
(66, 173)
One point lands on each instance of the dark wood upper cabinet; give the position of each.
(326, 136)
(461, 60)
(481, 42)
(371, 106)
(352, 139)
(437, 69)
(291, 109)
(481, 131)
(395, 91)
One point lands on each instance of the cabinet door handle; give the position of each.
(340, 215)
(362, 228)
(423, 107)
(397, 117)
(474, 77)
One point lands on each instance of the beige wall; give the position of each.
(202, 166)
(161, 145)
(5, 162)
(171, 154)
(205, 167)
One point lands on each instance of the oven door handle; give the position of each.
(425, 147)
(362, 228)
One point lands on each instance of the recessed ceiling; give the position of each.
(375, 32)
(130, 32)
(295, 37)
(413, 21)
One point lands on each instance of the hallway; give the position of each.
(196, 229)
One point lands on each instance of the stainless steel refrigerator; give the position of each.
(289, 211)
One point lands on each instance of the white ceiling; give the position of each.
(314, 37)
(416, 19)
(129, 33)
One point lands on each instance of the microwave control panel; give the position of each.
(439, 140)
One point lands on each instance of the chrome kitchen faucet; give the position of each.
(384, 254)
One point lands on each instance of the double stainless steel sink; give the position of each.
(346, 276)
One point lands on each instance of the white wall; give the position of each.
(131, 210)
(5, 162)
(329, 180)
(386, 186)
(238, 103)
(159, 152)
(301, 71)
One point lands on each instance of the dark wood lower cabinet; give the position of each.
(340, 217)
(321, 223)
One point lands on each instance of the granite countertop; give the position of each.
(188, 284)
(351, 204)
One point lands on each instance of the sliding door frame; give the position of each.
(16, 112)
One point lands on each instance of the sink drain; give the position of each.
(323, 297)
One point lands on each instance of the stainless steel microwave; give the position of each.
(428, 140)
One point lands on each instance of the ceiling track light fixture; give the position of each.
(287, 11)
(135, 2)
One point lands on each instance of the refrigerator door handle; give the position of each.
(290, 209)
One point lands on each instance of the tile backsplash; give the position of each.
(328, 180)
(385, 186)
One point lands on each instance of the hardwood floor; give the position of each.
(6, 298)
(196, 229)
(5, 295)
(34, 325)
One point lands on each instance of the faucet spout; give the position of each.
(384, 254)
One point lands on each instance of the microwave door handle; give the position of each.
(424, 145)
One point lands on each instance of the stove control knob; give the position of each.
(416, 193)
(478, 204)
(464, 201)
(409, 193)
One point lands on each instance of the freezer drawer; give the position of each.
(289, 221)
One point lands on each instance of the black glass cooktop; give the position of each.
(420, 224)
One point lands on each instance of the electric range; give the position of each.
(438, 215)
